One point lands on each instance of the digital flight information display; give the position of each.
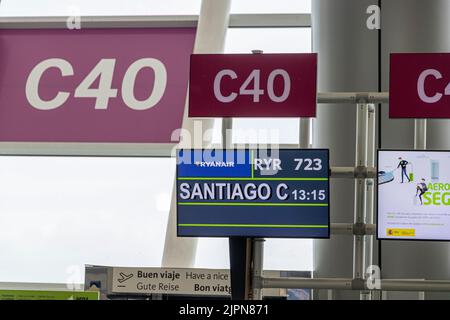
(271, 193)
(413, 195)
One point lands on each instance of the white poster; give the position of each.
(414, 195)
(210, 282)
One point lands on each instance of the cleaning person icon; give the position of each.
(402, 164)
(421, 189)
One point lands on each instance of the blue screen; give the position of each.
(253, 193)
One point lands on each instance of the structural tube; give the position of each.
(210, 38)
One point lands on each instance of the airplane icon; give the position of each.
(124, 277)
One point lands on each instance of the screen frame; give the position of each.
(253, 237)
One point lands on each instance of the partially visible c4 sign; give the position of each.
(93, 85)
(419, 85)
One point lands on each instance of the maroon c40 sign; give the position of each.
(253, 85)
(419, 85)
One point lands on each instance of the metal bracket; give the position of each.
(371, 173)
(362, 97)
(359, 229)
(358, 284)
(353, 97)
(257, 282)
(361, 172)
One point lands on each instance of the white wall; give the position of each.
(143, 7)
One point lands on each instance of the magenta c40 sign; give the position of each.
(93, 85)
(419, 85)
(253, 85)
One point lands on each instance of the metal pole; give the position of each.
(351, 229)
(306, 283)
(258, 265)
(353, 172)
(366, 295)
(351, 284)
(341, 228)
(420, 134)
(255, 248)
(360, 190)
(210, 38)
(415, 285)
(305, 133)
(342, 172)
(353, 97)
(227, 126)
(258, 253)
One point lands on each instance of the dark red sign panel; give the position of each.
(419, 85)
(253, 85)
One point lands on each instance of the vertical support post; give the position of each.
(240, 261)
(239, 247)
(305, 133)
(258, 253)
(370, 189)
(242, 249)
(210, 38)
(227, 127)
(258, 265)
(360, 190)
(420, 134)
(330, 294)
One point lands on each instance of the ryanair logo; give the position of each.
(214, 164)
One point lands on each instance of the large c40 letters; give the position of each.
(104, 71)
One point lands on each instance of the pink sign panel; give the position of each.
(419, 85)
(253, 85)
(93, 85)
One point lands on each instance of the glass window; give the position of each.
(98, 7)
(288, 254)
(59, 213)
(142, 7)
(279, 254)
(212, 253)
(270, 40)
(271, 6)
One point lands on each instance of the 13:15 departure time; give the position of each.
(309, 195)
